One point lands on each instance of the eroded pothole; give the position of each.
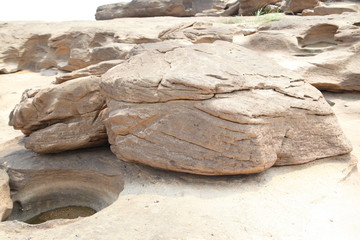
(43, 195)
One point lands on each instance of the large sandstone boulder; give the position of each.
(153, 8)
(63, 117)
(5, 200)
(216, 109)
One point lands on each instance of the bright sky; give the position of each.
(50, 10)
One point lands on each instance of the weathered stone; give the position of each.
(43, 182)
(296, 6)
(63, 117)
(164, 46)
(200, 32)
(5, 200)
(249, 7)
(92, 70)
(70, 46)
(231, 114)
(153, 8)
(324, 51)
(336, 8)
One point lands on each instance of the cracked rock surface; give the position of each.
(216, 109)
(62, 117)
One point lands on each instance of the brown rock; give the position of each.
(153, 8)
(249, 7)
(92, 70)
(336, 8)
(323, 50)
(43, 182)
(216, 119)
(200, 32)
(163, 47)
(6, 203)
(297, 6)
(63, 117)
(70, 46)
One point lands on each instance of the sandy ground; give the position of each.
(318, 200)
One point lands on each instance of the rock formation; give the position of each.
(73, 45)
(309, 44)
(296, 6)
(44, 182)
(63, 117)
(92, 70)
(249, 7)
(153, 8)
(207, 96)
(228, 115)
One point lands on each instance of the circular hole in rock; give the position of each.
(46, 195)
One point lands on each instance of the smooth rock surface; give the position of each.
(5, 200)
(40, 183)
(231, 114)
(62, 117)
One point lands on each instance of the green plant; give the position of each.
(259, 12)
(263, 17)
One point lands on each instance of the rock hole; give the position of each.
(46, 195)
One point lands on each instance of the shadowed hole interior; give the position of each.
(44, 195)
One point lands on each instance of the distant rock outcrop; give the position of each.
(249, 7)
(153, 8)
(73, 45)
(324, 51)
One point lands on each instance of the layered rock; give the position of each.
(296, 6)
(42, 182)
(201, 32)
(5, 200)
(69, 46)
(336, 8)
(153, 8)
(324, 51)
(249, 7)
(92, 70)
(216, 109)
(69, 51)
(63, 117)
